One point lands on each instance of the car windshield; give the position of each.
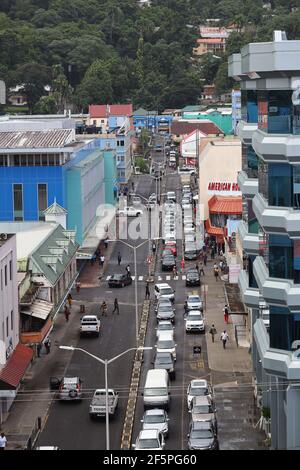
(194, 318)
(148, 444)
(163, 360)
(206, 409)
(165, 344)
(154, 419)
(165, 327)
(117, 277)
(194, 300)
(193, 274)
(155, 392)
(198, 391)
(166, 291)
(165, 308)
(201, 434)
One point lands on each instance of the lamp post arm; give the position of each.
(120, 355)
(89, 354)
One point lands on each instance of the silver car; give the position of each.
(156, 419)
(70, 389)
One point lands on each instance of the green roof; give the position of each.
(144, 112)
(54, 254)
(193, 108)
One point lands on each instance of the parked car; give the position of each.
(192, 277)
(171, 246)
(130, 211)
(203, 409)
(164, 325)
(165, 360)
(162, 302)
(189, 228)
(156, 419)
(198, 388)
(70, 389)
(165, 312)
(168, 262)
(190, 249)
(171, 196)
(195, 302)
(150, 439)
(164, 291)
(201, 436)
(119, 280)
(194, 322)
(166, 343)
(158, 148)
(189, 238)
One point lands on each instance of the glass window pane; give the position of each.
(18, 201)
(42, 200)
(280, 185)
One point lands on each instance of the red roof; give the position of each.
(211, 41)
(14, 369)
(102, 110)
(185, 127)
(215, 231)
(225, 205)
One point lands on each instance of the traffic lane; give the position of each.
(69, 425)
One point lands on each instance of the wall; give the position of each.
(8, 297)
(110, 177)
(74, 203)
(219, 161)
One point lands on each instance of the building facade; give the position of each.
(270, 232)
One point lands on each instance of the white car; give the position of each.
(194, 302)
(171, 196)
(189, 238)
(189, 228)
(164, 325)
(194, 321)
(198, 388)
(156, 419)
(163, 291)
(130, 211)
(150, 439)
(166, 343)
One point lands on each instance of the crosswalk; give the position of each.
(159, 278)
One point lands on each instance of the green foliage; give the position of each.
(46, 105)
(142, 164)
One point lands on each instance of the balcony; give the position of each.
(276, 220)
(250, 241)
(250, 295)
(279, 148)
(248, 186)
(245, 131)
(280, 292)
(275, 361)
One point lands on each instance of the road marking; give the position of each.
(108, 278)
(168, 278)
(183, 277)
(133, 278)
(175, 278)
(159, 278)
(141, 278)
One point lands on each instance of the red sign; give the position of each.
(218, 186)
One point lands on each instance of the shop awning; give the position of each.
(38, 309)
(15, 368)
(215, 231)
(225, 205)
(102, 228)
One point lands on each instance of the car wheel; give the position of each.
(122, 285)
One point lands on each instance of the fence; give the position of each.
(34, 434)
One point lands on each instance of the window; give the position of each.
(30, 160)
(5, 275)
(12, 320)
(7, 332)
(10, 270)
(44, 160)
(42, 200)
(284, 328)
(122, 143)
(281, 257)
(280, 185)
(18, 201)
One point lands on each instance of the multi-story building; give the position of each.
(269, 74)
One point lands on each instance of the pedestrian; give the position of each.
(102, 259)
(205, 259)
(3, 441)
(106, 243)
(38, 349)
(132, 185)
(47, 344)
(197, 267)
(116, 306)
(103, 308)
(175, 272)
(213, 332)
(226, 313)
(69, 299)
(78, 285)
(147, 293)
(186, 308)
(201, 270)
(119, 258)
(212, 253)
(221, 265)
(153, 247)
(224, 338)
(128, 270)
(216, 272)
(67, 313)
(182, 263)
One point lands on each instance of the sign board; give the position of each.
(226, 188)
(197, 349)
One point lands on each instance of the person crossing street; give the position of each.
(116, 306)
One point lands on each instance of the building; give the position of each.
(190, 147)
(143, 119)
(2, 92)
(208, 93)
(219, 200)
(14, 357)
(209, 45)
(270, 232)
(222, 117)
(183, 127)
(236, 109)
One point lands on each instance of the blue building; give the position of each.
(151, 120)
(121, 127)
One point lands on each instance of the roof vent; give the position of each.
(279, 36)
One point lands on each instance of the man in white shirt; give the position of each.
(3, 441)
(224, 338)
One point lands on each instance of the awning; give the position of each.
(15, 368)
(102, 228)
(225, 205)
(215, 231)
(38, 309)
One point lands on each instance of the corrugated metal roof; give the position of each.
(14, 369)
(185, 127)
(55, 209)
(38, 309)
(225, 205)
(215, 231)
(36, 139)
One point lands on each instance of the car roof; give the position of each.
(191, 296)
(162, 285)
(70, 380)
(166, 335)
(148, 434)
(155, 411)
(194, 312)
(199, 383)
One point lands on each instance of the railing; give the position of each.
(34, 434)
(240, 331)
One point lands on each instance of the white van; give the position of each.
(156, 391)
(166, 343)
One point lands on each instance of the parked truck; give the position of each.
(98, 403)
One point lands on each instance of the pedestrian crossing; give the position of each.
(158, 278)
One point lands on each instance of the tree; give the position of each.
(61, 90)
(33, 77)
(96, 86)
(208, 67)
(46, 105)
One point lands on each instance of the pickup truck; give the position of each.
(98, 403)
(89, 325)
(130, 211)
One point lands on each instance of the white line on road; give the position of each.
(141, 278)
(168, 278)
(184, 277)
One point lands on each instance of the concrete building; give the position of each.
(270, 232)
(14, 357)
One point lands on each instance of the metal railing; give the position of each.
(240, 331)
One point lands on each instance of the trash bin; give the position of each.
(82, 308)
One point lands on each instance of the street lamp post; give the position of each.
(105, 362)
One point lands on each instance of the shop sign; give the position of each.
(223, 186)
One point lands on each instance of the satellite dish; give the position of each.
(296, 97)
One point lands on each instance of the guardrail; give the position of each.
(34, 434)
(239, 331)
